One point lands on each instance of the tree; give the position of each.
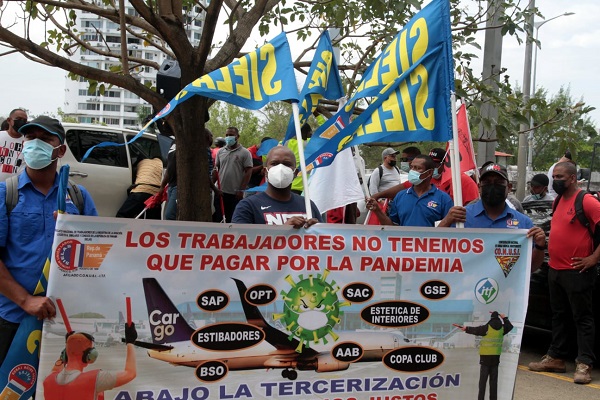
(560, 123)
(224, 115)
(365, 27)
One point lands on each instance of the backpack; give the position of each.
(12, 194)
(380, 168)
(580, 215)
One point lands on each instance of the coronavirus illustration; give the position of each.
(311, 309)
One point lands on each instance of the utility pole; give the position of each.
(492, 61)
(524, 128)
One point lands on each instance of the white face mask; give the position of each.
(280, 176)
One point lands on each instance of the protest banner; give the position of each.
(270, 312)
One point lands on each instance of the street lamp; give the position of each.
(524, 146)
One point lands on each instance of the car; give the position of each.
(539, 313)
(108, 171)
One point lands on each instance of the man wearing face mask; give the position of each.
(234, 165)
(468, 185)
(491, 211)
(11, 145)
(571, 276)
(26, 233)
(277, 205)
(406, 157)
(386, 175)
(538, 187)
(423, 204)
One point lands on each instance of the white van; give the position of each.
(108, 171)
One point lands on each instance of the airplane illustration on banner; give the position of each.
(171, 341)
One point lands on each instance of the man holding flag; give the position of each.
(27, 231)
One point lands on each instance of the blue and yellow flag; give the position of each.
(410, 84)
(260, 77)
(323, 81)
(19, 371)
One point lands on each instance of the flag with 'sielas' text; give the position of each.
(252, 81)
(409, 84)
(323, 81)
(19, 371)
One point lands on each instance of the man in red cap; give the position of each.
(470, 191)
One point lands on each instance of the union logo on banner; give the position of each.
(507, 254)
(71, 255)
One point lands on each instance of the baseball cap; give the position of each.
(539, 180)
(437, 154)
(50, 125)
(388, 152)
(493, 167)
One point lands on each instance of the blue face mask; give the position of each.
(37, 153)
(436, 174)
(414, 177)
(405, 166)
(230, 141)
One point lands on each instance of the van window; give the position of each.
(80, 140)
(142, 148)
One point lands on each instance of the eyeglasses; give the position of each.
(406, 159)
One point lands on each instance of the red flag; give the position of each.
(465, 147)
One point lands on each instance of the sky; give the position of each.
(569, 56)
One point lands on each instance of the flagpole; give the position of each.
(455, 156)
(296, 113)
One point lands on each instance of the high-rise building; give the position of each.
(116, 107)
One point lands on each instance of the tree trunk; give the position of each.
(193, 191)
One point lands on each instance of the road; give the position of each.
(549, 386)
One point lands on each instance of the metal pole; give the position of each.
(537, 26)
(523, 147)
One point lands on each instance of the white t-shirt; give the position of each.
(389, 178)
(11, 155)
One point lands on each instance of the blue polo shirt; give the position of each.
(408, 209)
(511, 219)
(26, 235)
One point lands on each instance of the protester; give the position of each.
(292, 144)
(492, 211)
(257, 177)
(234, 166)
(170, 178)
(571, 276)
(26, 233)
(278, 205)
(219, 143)
(565, 158)
(420, 205)
(408, 154)
(469, 188)
(11, 144)
(538, 189)
(148, 180)
(490, 348)
(68, 380)
(387, 174)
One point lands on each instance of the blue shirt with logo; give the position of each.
(408, 209)
(26, 235)
(511, 219)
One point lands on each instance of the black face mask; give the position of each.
(493, 195)
(560, 186)
(18, 123)
(392, 163)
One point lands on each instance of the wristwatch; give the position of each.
(544, 247)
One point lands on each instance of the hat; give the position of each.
(494, 314)
(493, 167)
(388, 152)
(437, 154)
(540, 180)
(50, 125)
